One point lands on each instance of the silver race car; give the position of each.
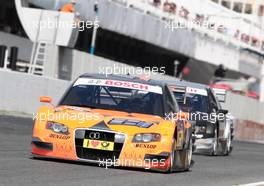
(213, 125)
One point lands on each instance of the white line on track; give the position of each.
(254, 184)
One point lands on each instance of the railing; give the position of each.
(187, 14)
(23, 66)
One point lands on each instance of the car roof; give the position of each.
(129, 78)
(183, 83)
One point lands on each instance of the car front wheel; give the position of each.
(181, 160)
(215, 143)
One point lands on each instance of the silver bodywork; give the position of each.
(225, 126)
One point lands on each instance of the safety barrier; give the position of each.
(20, 92)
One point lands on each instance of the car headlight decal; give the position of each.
(57, 127)
(209, 129)
(146, 138)
(200, 129)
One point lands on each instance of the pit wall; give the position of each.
(249, 131)
(20, 92)
(249, 122)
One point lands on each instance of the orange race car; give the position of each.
(115, 121)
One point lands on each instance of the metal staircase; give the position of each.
(38, 54)
(38, 58)
(36, 23)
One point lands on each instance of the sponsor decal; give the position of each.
(63, 147)
(180, 124)
(121, 84)
(59, 136)
(132, 155)
(196, 91)
(127, 85)
(97, 144)
(105, 144)
(146, 146)
(199, 136)
(138, 123)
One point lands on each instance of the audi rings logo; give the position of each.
(94, 135)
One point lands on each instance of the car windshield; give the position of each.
(116, 98)
(193, 102)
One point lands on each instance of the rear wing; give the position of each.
(220, 94)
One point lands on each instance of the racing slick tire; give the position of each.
(214, 150)
(181, 160)
(226, 145)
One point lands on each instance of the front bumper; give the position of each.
(124, 154)
(204, 145)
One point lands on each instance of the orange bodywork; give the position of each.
(67, 8)
(63, 146)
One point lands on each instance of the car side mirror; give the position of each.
(222, 111)
(46, 99)
(220, 94)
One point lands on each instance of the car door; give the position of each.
(215, 117)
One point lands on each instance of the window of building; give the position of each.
(248, 9)
(9, 21)
(238, 7)
(226, 4)
(216, 1)
(261, 10)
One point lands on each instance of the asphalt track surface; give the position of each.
(245, 165)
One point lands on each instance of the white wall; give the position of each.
(245, 108)
(20, 92)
